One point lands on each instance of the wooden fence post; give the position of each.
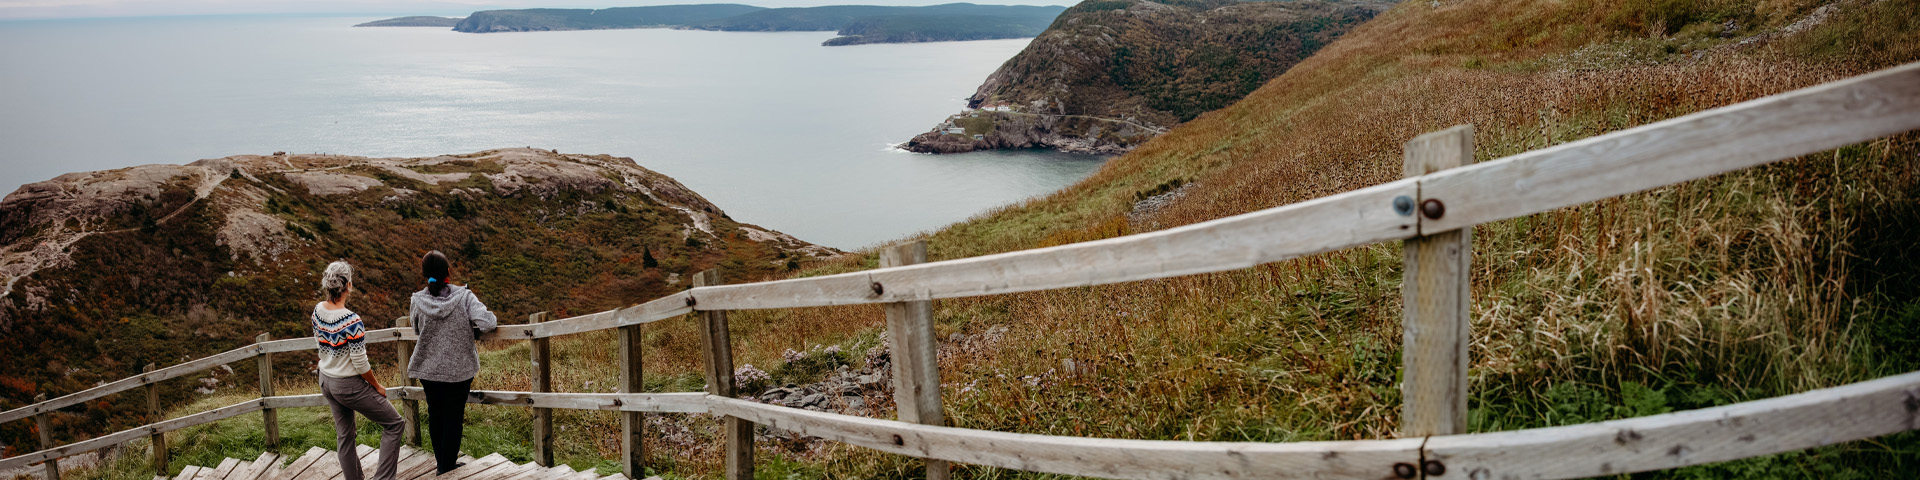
(542, 383)
(739, 432)
(410, 409)
(159, 440)
(916, 354)
(46, 438)
(271, 418)
(1436, 291)
(633, 455)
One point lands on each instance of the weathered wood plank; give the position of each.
(559, 471)
(298, 401)
(130, 383)
(632, 449)
(1435, 291)
(190, 367)
(326, 467)
(509, 332)
(220, 472)
(409, 408)
(291, 345)
(916, 353)
(302, 464)
(542, 359)
(239, 468)
(679, 402)
(43, 425)
(514, 470)
(1743, 135)
(415, 464)
(1762, 427)
(125, 436)
(270, 419)
(670, 306)
(738, 452)
(157, 441)
(260, 467)
(1350, 219)
(188, 473)
(1092, 457)
(473, 467)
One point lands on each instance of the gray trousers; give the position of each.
(353, 394)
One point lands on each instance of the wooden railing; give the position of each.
(1433, 210)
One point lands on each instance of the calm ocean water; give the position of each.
(774, 128)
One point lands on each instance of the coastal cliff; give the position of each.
(1143, 66)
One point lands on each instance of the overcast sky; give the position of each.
(31, 9)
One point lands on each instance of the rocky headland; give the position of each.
(1109, 75)
(114, 269)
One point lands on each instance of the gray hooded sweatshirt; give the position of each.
(447, 324)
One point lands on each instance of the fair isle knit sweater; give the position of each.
(343, 342)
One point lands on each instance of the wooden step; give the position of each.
(302, 464)
(415, 464)
(260, 467)
(474, 467)
(220, 471)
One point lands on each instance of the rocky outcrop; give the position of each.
(988, 130)
(41, 221)
(1141, 66)
(114, 269)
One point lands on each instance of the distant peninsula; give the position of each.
(857, 24)
(416, 21)
(939, 28)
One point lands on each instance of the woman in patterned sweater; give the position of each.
(346, 378)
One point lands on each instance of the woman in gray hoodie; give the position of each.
(448, 318)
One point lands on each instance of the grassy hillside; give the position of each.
(1780, 279)
(1750, 285)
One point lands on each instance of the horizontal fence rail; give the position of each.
(231, 356)
(1691, 147)
(1687, 148)
(1781, 424)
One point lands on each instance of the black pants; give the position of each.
(446, 418)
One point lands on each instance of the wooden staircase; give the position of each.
(322, 464)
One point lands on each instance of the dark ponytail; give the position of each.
(434, 267)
